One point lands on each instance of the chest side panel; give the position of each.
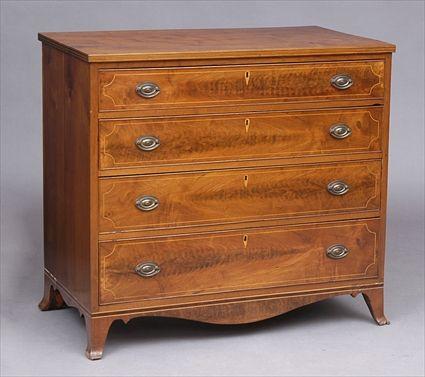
(67, 172)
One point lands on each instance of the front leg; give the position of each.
(97, 331)
(375, 302)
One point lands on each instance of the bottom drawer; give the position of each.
(222, 262)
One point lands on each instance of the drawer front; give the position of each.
(141, 143)
(132, 89)
(196, 265)
(234, 196)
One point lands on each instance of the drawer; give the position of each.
(220, 262)
(175, 141)
(232, 196)
(165, 88)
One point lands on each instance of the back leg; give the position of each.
(52, 299)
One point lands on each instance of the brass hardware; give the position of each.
(341, 82)
(247, 77)
(247, 122)
(337, 251)
(338, 188)
(147, 90)
(147, 203)
(147, 269)
(147, 143)
(340, 131)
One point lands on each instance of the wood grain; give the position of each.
(234, 312)
(249, 311)
(218, 139)
(236, 196)
(252, 259)
(66, 135)
(244, 216)
(226, 85)
(140, 45)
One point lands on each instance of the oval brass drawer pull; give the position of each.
(338, 188)
(147, 269)
(147, 143)
(337, 251)
(147, 203)
(340, 131)
(341, 82)
(147, 90)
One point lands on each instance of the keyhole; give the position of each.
(247, 122)
(245, 181)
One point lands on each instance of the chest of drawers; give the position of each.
(225, 176)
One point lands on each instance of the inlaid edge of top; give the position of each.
(171, 44)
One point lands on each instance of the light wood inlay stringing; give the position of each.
(224, 176)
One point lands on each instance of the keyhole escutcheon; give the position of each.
(247, 77)
(245, 240)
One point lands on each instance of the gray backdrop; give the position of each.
(335, 337)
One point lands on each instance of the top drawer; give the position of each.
(165, 88)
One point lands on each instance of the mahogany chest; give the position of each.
(224, 176)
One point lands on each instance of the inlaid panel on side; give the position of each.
(174, 200)
(196, 265)
(225, 85)
(193, 140)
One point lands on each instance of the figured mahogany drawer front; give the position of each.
(140, 143)
(165, 88)
(196, 265)
(233, 196)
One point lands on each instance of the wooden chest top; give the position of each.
(142, 45)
